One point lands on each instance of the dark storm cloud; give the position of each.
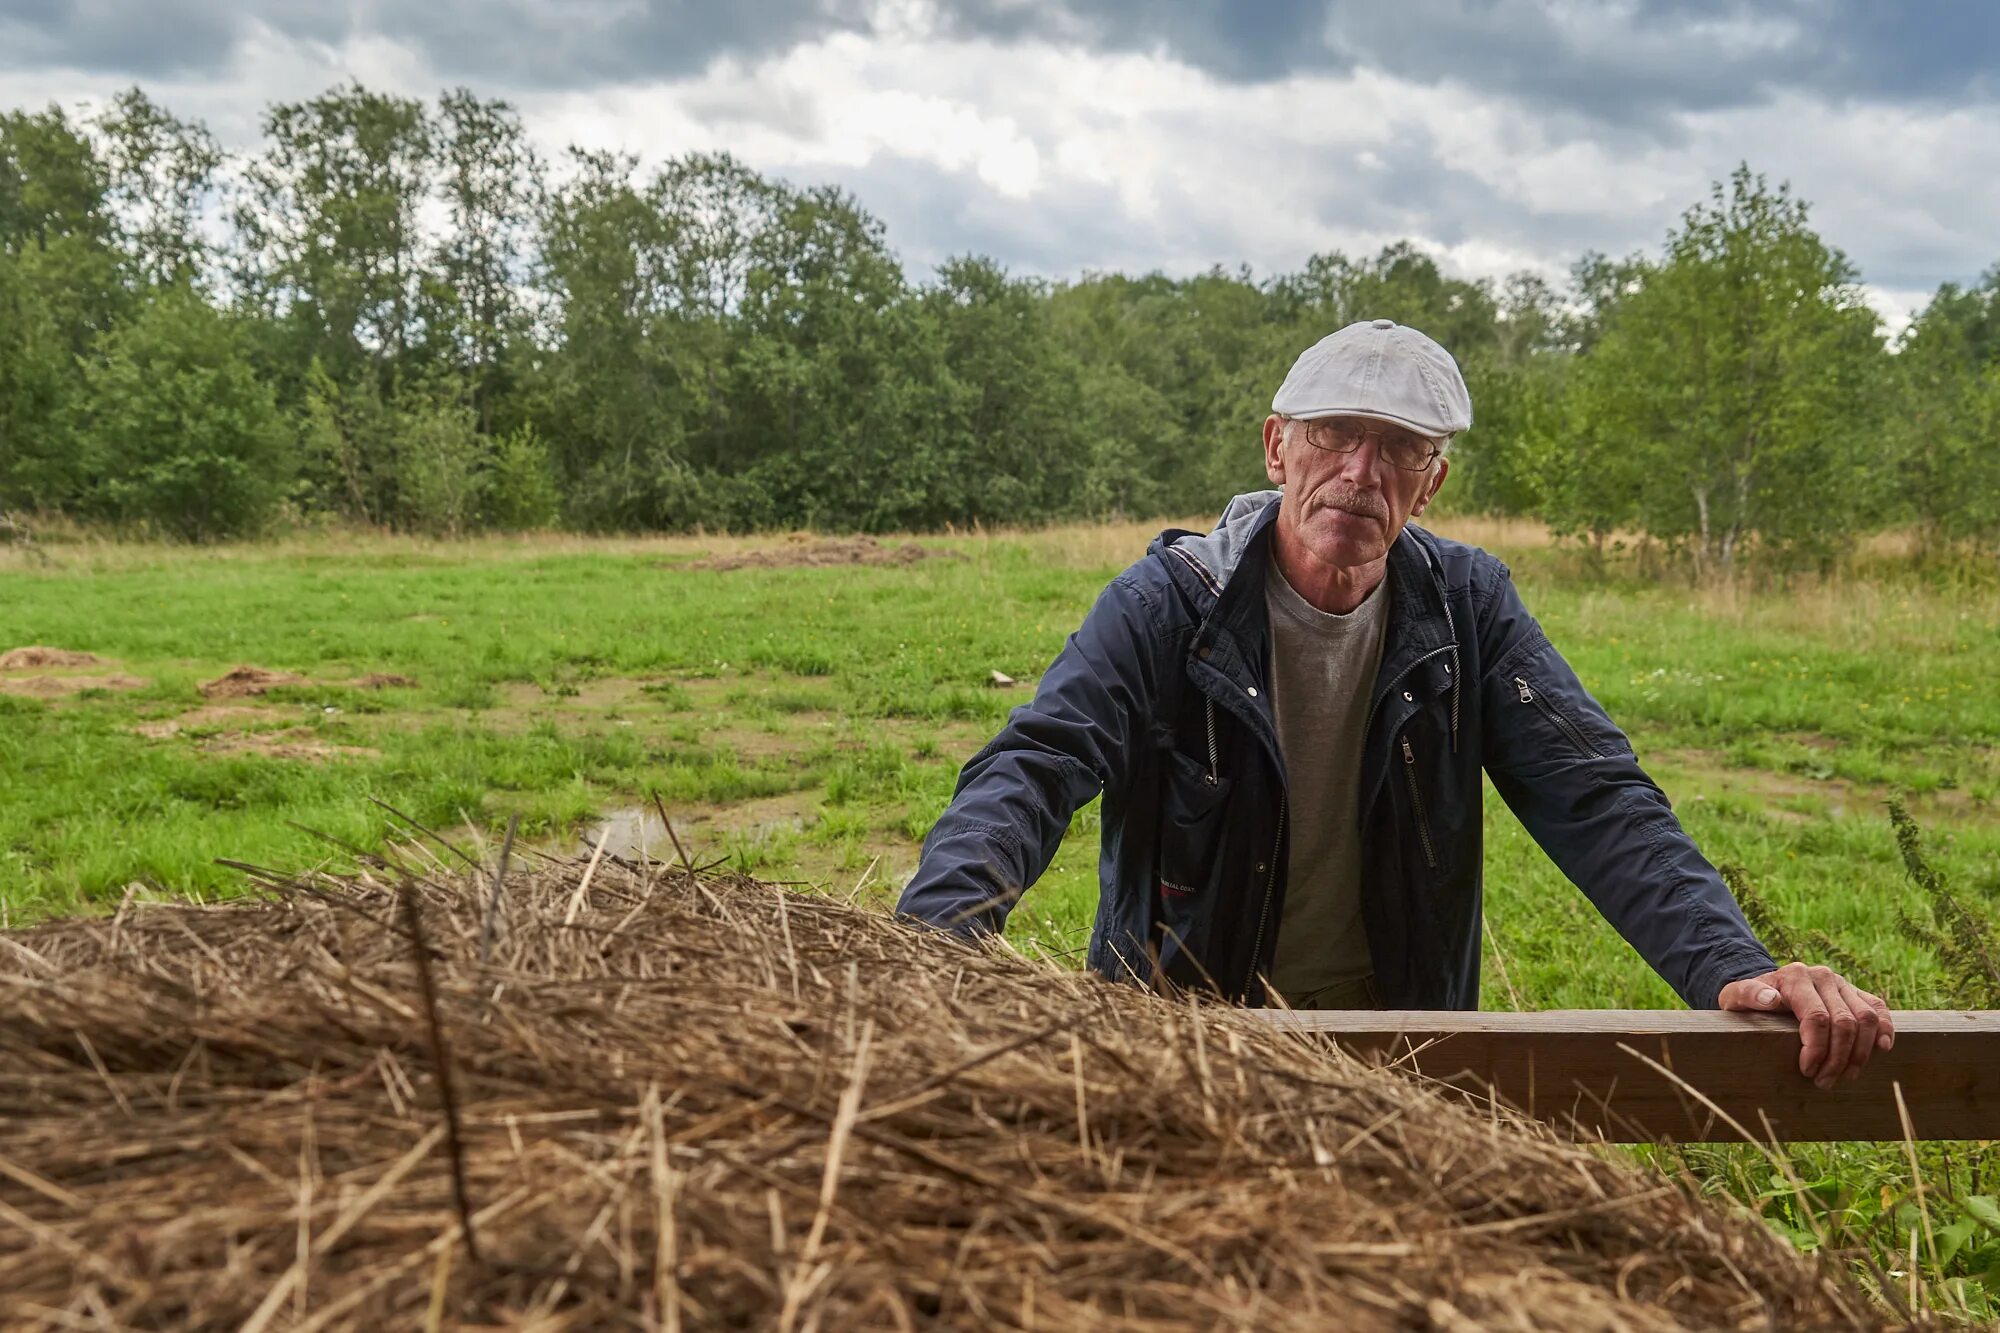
(1622, 62)
(1604, 60)
(165, 38)
(1615, 61)
(522, 43)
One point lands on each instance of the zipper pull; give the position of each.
(1527, 695)
(1409, 755)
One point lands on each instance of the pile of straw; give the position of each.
(666, 1099)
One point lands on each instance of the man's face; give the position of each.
(1346, 509)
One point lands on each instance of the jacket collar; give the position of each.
(1204, 565)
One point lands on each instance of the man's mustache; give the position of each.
(1365, 503)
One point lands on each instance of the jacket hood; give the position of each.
(1214, 557)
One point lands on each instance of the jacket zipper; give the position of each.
(1213, 767)
(1270, 886)
(1562, 724)
(1417, 802)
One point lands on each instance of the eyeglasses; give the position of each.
(1343, 435)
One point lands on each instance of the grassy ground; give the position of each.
(809, 723)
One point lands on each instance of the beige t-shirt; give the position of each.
(1322, 674)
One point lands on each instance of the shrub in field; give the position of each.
(520, 490)
(442, 468)
(176, 430)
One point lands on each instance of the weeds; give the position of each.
(1962, 940)
(1862, 1197)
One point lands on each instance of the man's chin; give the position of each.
(1340, 538)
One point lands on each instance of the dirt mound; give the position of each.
(207, 716)
(244, 682)
(55, 687)
(294, 743)
(814, 552)
(697, 1102)
(36, 657)
(383, 680)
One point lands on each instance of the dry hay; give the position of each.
(36, 657)
(243, 682)
(689, 1101)
(805, 551)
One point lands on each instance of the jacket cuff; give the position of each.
(1732, 966)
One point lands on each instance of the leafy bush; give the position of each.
(443, 466)
(177, 431)
(520, 490)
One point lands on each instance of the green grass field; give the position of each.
(808, 722)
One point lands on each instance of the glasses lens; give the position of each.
(1406, 452)
(1397, 448)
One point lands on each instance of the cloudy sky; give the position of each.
(1065, 135)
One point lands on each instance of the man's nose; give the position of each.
(1362, 468)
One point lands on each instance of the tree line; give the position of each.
(394, 313)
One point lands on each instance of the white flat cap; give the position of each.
(1378, 368)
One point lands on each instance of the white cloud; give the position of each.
(1058, 159)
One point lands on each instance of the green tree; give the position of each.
(1008, 445)
(175, 428)
(1178, 375)
(349, 437)
(1947, 465)
(1516, 375)
(62, 289)
(1400, 283)
(1737, 390)
(1970, 316)
(38, 376)
(473, 315)
(162, 174)
(638, 352)
(332, 253)
(55, 216)
(831, 382)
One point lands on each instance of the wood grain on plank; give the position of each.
(1581, 1070)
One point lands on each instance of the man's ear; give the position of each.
(1274, 449)
(1431, 490)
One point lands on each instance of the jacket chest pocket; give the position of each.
(1194, 805)
(1426, 784)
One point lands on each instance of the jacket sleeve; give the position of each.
(1015, 797)
(1569, 774)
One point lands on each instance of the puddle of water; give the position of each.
(629, 831)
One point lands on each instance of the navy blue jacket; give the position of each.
(1160, 702)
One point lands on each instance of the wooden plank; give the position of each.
(1580, 1070)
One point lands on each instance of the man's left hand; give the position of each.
(1840, 1025)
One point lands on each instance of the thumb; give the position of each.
(1750, 993)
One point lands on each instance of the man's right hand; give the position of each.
(1840, 1025)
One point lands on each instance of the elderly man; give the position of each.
(1287, 719)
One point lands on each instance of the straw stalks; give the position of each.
(674, 1099)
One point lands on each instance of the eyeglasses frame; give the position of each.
(1437, 446)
